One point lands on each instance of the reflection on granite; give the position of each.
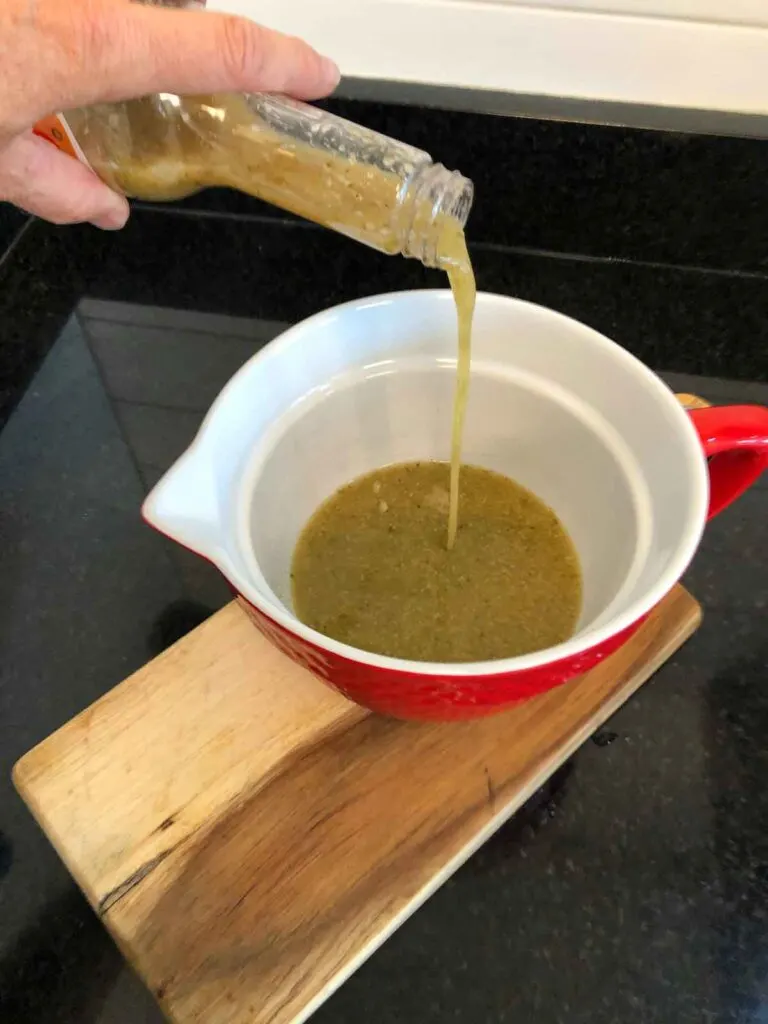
(40, 282)
(81, 586)
(635, 887)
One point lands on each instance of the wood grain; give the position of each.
(249, 837)
(149, 764)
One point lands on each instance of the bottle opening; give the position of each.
(435, 197)
(459, 196)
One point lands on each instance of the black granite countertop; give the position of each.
(635, 886)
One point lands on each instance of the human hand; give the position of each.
(59, 54)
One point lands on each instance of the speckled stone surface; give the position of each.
(688, 320)
(11, 222)
(40, 282)
(635, 887)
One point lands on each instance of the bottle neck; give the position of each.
(430, 201)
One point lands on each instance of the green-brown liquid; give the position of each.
(371, 568)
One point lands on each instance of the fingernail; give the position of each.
(113, 218)
(331, 73)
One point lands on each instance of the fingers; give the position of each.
(199, 51)
(96, 50)
(41, 180)
(113, 49)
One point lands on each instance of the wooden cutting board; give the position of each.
(249, 837)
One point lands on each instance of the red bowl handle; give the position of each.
(735, 441)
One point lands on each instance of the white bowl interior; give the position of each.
(536, 434)
(553, 404)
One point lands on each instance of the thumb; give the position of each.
(117, 50)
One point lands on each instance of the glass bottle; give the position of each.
(372, 188)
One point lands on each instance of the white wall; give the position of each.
(558, 52)
(749, 12)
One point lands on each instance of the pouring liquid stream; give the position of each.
(454, 259)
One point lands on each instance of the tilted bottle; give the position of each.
(379, 191)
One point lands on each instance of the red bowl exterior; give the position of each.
(422, 697)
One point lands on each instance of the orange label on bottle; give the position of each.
(54, 129)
